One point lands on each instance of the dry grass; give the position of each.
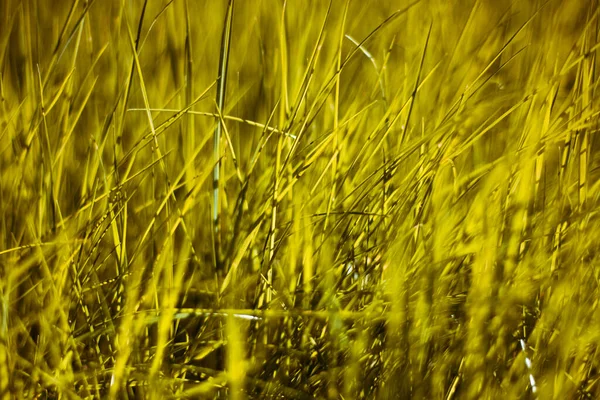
(403, 200)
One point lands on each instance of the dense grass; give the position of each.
(298, 199)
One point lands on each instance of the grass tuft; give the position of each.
(403, 200)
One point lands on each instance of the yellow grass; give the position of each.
(402, 204)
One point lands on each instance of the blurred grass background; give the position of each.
(406, 200)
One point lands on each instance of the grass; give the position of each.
(404, 199)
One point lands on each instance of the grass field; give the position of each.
(299, 199)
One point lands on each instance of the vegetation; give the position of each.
(299, 199)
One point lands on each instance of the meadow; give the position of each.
(297, 199)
